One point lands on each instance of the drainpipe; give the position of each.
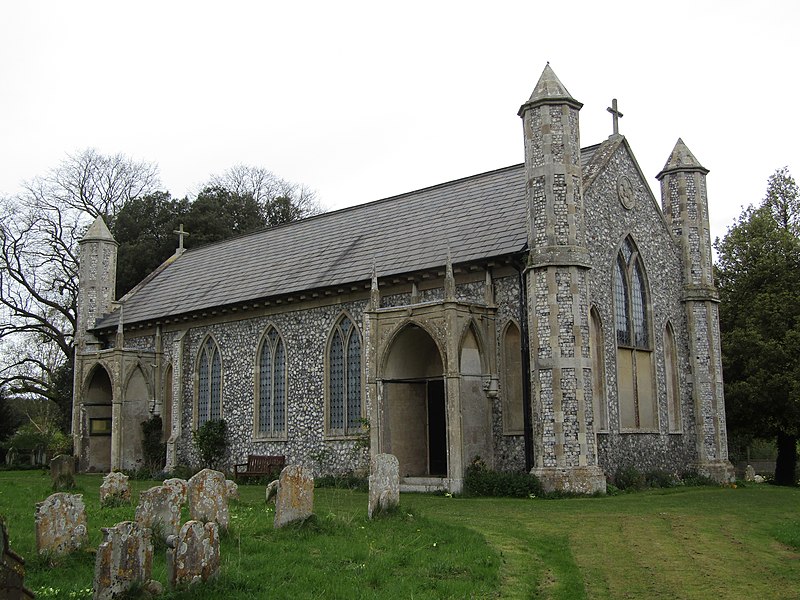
(527, 417)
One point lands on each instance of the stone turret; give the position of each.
(685, 204)
(565, 456)
(97, 278)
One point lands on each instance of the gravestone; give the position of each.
(124, 558)
(115, 489)
(61, 523)
(208, 498)
(193, 554)
(384, 483)
(12, 571)
(233, 489)
(180, 487)
(272, 491)
(62, 472)
(159, 509)
(295, 500)
(749, 473)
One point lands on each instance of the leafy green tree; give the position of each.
(759, 281)
(144, 230)
(218, 214)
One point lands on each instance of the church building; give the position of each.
(549, 316)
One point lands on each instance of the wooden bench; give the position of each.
(258, 466)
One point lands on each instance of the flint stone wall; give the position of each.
(61, 524)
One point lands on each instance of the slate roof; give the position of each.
(478, 217)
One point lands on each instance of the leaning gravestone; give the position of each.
(62, 472)
(384, 484)
(124, 558)
(61, 523)
(115, 489)
(208, 497)
(160, 509)
(12, 571)
(193, 554)
(295, 500)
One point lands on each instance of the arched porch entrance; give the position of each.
(414, 401)
(98, 406)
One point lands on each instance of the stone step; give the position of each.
(423, 484)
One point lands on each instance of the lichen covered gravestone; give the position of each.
(272, 491)
(115, 489)
(61, 523)
(193, 554)
(295, 500)
(124, 558)
(384, 484)
(233, 489)
(208, 498)
(62, 472)
(160, 509)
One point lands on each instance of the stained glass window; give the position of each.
(630, 299)
(344, 379)
(272, 386)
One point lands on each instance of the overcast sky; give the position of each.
(361, 101)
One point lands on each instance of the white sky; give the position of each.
(363, 100)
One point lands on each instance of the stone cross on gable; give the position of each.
(181, 234)
(616, 114)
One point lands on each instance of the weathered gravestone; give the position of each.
(233, 489)
(61, 523)
(208, 497)
(115, 489)
(159, 509)
(12, 571)
(62, 472)
(384, 484)
(180, 487)
(124, 559)
(272, 490)
(295, 500)
(749, 473)
(193, 554)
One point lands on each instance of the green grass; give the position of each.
(676, 543)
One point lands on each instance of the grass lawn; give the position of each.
(677, 543)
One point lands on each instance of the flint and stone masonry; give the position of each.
(480, 318)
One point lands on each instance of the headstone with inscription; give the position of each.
(208, 498)
(160, 509)
(124, 559)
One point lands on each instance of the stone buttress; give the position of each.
(565, 456)
(684, 201)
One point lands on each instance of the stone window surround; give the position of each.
(259, 436)
(328, 434)
(673, 387)
(635, 258)
(599, 352)
(196, 377)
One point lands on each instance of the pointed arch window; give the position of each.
(635, 379)
(209, 383)
(271, 386)
(344, 379)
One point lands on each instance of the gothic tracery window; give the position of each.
(209, 383)
(271, 386)
(344, 379)
(635, 381)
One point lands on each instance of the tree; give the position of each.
(218, 214)
(759, 281)
(144, 230)
(39, 233)
(281, 201)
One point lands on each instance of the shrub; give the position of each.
(629, 479)
(153, 448)
(480, 480)
(693, 478)
(660, 479)
(211, 441)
